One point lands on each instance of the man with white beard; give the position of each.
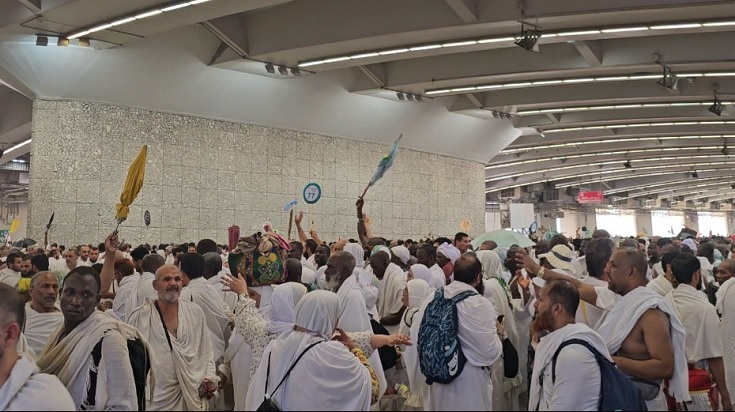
(42, 315)
(177, 331)
(21, 386)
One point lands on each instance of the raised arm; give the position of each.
(302, 235)
(107, 275)
(314, 235)
(362, 231)
(586, 292)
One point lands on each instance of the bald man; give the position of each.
(21, 386)
(42, 314)
(177, 331)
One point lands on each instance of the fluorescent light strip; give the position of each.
(140, 16)
(613, 107)
(616, 126)
(18, 146)
(621, 152)
(600, 79)
(612, 162)
(627, 174)
(510, 39)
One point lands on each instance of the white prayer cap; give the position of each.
(318, 312)
(381, 248)
(560, 256)
(402, 253)
(420, 271)
(449, 251)
(691, 244)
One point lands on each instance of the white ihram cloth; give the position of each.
(239, 355)
(700, 320)
(216, 312)
(622, 314)
(391, 291)
(9, 277)
(70, 359)
(336, 378)
(577, 384)
(473, 389)
(126, 297)
(418, 291)
(229, 297)
(660, 285)
(726, 308)
(354, 316)
(181, 368)
(588, 313)
(26, 390)
(434, 279)
(146, 293)
(21, 346)
(39, 326)
(438, 272)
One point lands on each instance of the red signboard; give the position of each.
(590, 197)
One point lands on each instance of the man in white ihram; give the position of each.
(22, 388)
(177, 331)
(473, 389)
(42, 315)
(577, 383)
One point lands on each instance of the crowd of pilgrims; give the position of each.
(173, 327)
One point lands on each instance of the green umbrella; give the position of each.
(504, 239)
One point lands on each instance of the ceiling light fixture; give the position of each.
(613, 107)
(669, 79)
(627, 164)
(658, 124)
(62, 42)
(528, 39)
(84, 42)
(716, 107)
(515, 40)
(18, 146)
(138, 16)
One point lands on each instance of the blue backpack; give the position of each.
(440, 353)
(617, 392)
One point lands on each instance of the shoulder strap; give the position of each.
(289, 369)
(462, 296)
(89, 402)
(572, 342)
(163, 322)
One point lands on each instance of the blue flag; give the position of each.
(385, 163)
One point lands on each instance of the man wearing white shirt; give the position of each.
(11, 275)
(145, 290)
(84, 256)
(578, 379)
(702, 325)
(598, 252)
(69, 262)
(214, 273)
(42, 315)
(473, 388)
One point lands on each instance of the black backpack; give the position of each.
(617, 391)
(139, 361)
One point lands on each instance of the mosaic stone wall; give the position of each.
(204, 175)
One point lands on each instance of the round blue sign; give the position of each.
(312, 193)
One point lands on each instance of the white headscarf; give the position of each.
(282, 310)
(402, 253)
(357, 252)
(449, 251)
(490, 263)
(418, 290)
(420, 271)
(385, 249)
(337, 380)
(265, 293)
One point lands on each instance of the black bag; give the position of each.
(268, 404)
(139, 361)
(510, 359)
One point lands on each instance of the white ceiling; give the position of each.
(208, 59)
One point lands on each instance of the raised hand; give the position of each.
(298, 217)
(235, 284)
(344, 338)
(112, 244)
